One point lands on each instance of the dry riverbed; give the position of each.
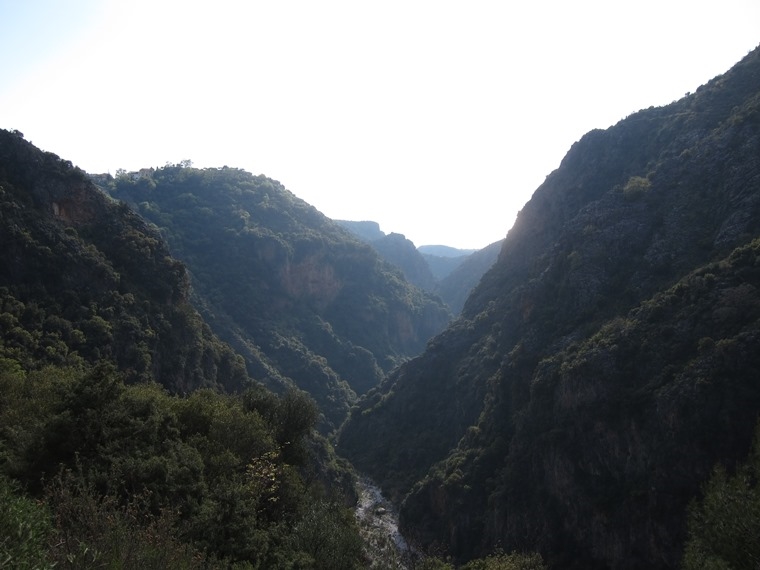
(378, 521)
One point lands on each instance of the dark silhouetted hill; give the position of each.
(84, 280)
(457, 285)
(607, 361)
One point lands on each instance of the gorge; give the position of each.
(198, 359)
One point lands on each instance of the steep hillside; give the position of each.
(445, 271)
(401, 252)
(296, 294)
(457, 285)
(396, 250)
(605, 363)
(83, 279)
(444, 251)
(100, 466)
(442, 265)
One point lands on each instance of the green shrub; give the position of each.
(25, 529)
(636, 187)
(725, 525)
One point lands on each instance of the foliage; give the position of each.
(95, 531)
(326, 536)
(98, 340)
(83, 279)
(133, 474)
(497, 561)
(512, 561)
(25, 530)
(607, 360)
(324, 311)
(636, 187)
(725, 523)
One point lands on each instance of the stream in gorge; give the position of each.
(378, 521)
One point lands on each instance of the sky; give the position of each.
(436, 119)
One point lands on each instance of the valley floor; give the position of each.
(378, 521)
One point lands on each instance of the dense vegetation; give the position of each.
(83, 279)
(130, 435)
(129, 476)
(302, 300)
(725, 523)
(396, 249)
(118, 446)
(605, 364)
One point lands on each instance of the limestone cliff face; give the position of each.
(605, 363)
(54, 187)
(312, 280)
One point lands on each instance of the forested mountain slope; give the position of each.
(396, 249)
(130, 435)
(606, 362)
(456, 286)
(445, 271)
(303, 300)
(84, 279)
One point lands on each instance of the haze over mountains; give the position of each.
(201, 338)
(446, 271)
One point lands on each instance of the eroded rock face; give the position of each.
(69, 198)
(312, 279)
(54, 186)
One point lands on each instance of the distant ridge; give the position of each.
(366, 230)
(444, 250)
(446, 271)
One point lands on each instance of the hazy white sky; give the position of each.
(437, 119)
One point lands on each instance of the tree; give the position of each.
(725, 525)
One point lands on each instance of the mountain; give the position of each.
(130, 435)
(83, 279)
(298, 296)
(446, 271)
(444, 251)
(443, 259)
(366, 230)
(395, 249)
(442, 266)
(456, 286)
(606, 362)
(401, 252)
